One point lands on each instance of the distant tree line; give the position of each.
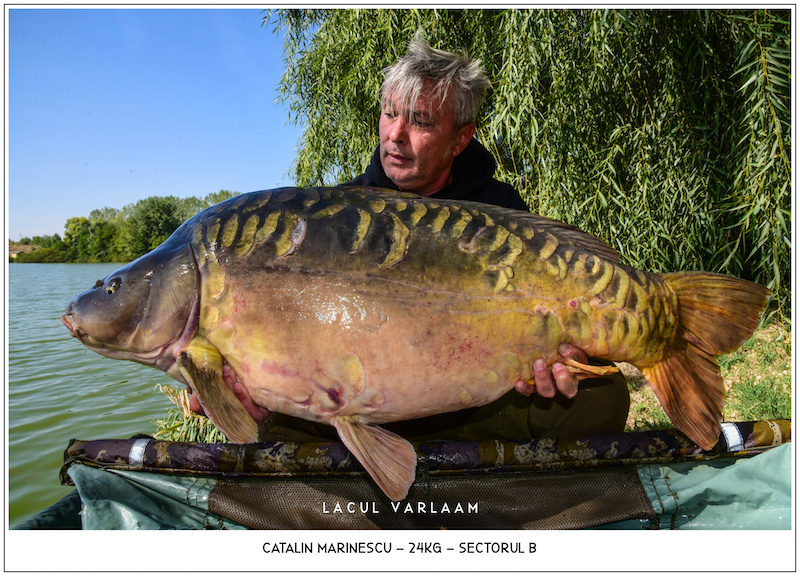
(112, 235)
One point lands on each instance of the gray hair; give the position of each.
(423, 66)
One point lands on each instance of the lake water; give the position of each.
(58, 389)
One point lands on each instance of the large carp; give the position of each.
(357, 307)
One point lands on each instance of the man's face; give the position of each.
(418, 155)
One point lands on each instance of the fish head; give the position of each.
(144, 311)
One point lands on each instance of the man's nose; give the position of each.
(399, 129)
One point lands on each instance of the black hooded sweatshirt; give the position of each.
(473, 179)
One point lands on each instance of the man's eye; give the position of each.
(421, 121)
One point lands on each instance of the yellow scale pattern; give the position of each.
(628, 312)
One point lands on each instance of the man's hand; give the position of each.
(545, 384)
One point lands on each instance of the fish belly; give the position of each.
(318, 347)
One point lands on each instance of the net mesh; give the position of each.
(507, 500)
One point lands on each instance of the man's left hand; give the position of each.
(556, 378)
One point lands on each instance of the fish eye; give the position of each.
(112, 286)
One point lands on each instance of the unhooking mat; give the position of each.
(638, 480)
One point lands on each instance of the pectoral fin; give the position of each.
(201, 366)
(389, 459)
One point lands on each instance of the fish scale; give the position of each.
(407, 215)
(480, 234)
(356, 307)
(477, 233)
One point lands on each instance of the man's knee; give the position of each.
(600, 407)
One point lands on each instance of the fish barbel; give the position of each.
(356, 307)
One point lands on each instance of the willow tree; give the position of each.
(667, 133)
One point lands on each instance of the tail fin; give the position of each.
(716, 314)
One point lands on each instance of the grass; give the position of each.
(183, 425)
(757, 379)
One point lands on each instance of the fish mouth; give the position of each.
(75, 331)
(150, 358)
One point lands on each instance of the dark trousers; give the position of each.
(600, 406)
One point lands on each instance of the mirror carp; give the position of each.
(357, 307)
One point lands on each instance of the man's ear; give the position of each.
(462, 138)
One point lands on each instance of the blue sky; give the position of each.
(109, 106)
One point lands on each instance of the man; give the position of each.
(429, 102)
(430, 99)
